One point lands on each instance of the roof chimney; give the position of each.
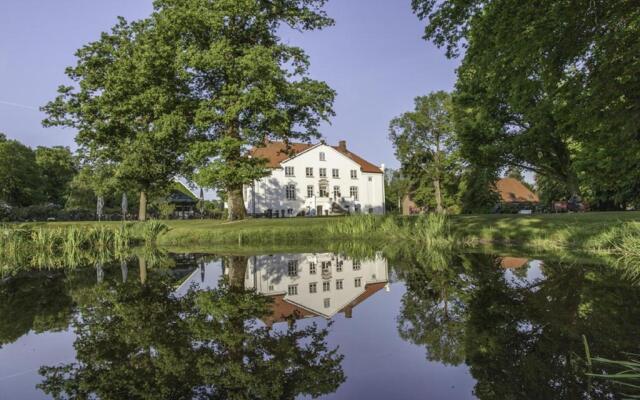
(342, 145)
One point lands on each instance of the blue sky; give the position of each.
(374, 57)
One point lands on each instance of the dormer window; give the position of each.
(323, 156)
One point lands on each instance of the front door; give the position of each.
(319, 211)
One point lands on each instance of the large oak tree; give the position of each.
(129, 105)
(249, 84)
(546, 84)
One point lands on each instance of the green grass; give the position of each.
(596, 231)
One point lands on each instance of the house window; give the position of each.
(335, 173)
(327, 303)
(354, 174)
(357, 282)
(313, 287)
(290, 211)
(339, 284)
(323, 157)
(353, 192)
(271, 288)
(292, 268)
(356, 265)
(324, 190)
(326, 267)
(288, 171)
(339, 267)
(292, 290)
(323, 172)
(312, 268)
(310, 191)
(291, 192)
(336, 192)
(309, 172)
(326, 286)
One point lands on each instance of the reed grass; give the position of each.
(64, 246)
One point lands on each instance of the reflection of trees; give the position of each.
(141, 341)
(433, 308)
(521, 339)
(33, 301)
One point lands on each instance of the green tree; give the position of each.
(544, 83)
(478, 192)
(426, 145)
(396, 188)
(58, 168)
(130, 107)
(19, 174)
(249, 84)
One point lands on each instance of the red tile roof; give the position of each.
(277, 152)
(513, 191)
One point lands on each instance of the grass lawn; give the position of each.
(582, 231)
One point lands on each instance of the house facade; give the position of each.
(316, 285)
(308, 285)
(314, 180)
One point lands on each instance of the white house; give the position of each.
(315, 179)
(305, 285)
(315, 285)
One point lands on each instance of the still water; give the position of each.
(277, 326)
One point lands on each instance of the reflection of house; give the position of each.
(512, 191)
(314, 180)
(513, 262)
(308, 285)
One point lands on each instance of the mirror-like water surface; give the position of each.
(277, 326)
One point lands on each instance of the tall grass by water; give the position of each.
(69, 246)
(431, 230)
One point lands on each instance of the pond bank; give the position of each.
(600, 232)
(590, 232)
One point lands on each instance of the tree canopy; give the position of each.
(548, 86)
(426, 146)
(250, 86)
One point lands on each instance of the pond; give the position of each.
(408, 325)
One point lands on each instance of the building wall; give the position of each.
(269, 193)
(272, 275)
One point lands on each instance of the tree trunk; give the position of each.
(142, 262)
(142, 209)
(237, 270)
(572, 183)
(235, 203)
(438, 193)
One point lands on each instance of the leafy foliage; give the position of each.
(547, 86)
(426, 146)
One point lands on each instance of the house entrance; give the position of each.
(319, 211)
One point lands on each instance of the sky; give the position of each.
(374, 57)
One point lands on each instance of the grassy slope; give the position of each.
(589, 231)
(558, 230)
(585, 230)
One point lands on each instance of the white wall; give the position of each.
(270, 191)
(269, 275)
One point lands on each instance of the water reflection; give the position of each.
(137, 339)
(205, 326)
(518, 323)
(301, 285)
